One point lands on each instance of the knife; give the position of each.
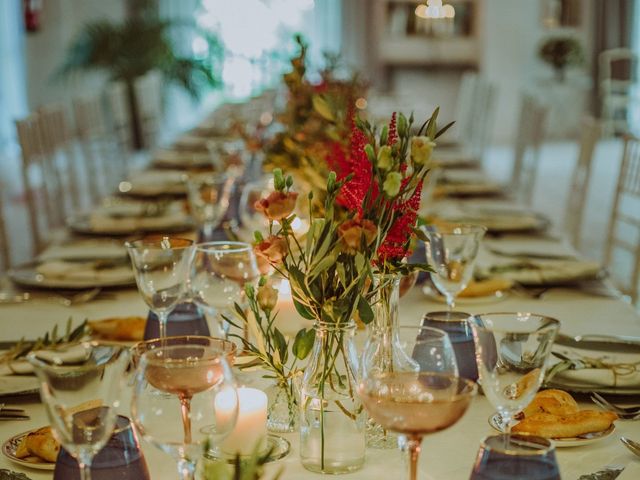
(609, 472)
(606, 343)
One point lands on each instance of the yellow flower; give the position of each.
(392, 183)
(384, 158)
(421, 150)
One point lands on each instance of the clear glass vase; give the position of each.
(332, 420)
(282, 409)
(385, 322)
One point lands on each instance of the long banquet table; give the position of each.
(446, 455)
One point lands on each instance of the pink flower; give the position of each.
(277, 205)
(273, 250)
(353, 233)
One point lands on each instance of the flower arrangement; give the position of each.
(316, 121)
(368, 219)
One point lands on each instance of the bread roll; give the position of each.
(40, 443)
(483, 288)
(565, 426)
(119, 328)
(555, 402)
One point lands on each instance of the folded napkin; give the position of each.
(102, 223)
(536, 271)
(84, 271)
(597, 368)
(158, 182)
(84, 250)
(191, 143)
(501, 223)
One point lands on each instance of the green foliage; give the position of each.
(141, 44)
(49, 340)
(242, 468)
(561, 52)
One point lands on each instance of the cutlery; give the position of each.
(630, 411)
(608, 343)
(634, 447)
(11, 298)
(608, 472)
(12, 413)
(83, 296)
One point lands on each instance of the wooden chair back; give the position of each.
(529, 138)
(591, 130)
(624, 225)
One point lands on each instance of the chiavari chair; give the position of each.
(104, 158)
(5, 258)
(624, 225)
(574, 212)
(36, 179)
(59, 149)
(617, 78)
(148, 95)
(529, 138)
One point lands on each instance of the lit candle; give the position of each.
(251, 426)
(288, 320)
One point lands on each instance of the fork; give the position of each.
(634, 447)
(626, 413)
(12, 413)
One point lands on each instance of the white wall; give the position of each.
(61, 20)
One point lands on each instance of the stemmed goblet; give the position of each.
(218, 274)
(209, 200)
(80, 387)
(451, 251)
(421, 392)
(160, 265)
(511, 352)
(184, 397)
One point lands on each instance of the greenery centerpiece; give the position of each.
(367, 222)
(316, 121)
(561, 52)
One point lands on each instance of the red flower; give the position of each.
(397, 240)
(393, 131)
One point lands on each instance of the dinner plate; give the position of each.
(588, 438)
(28, 276)
(497, 296)
(10, 446)
(81, 224)
(588, 388)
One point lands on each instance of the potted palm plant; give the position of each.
(144, 42)
(561, 52)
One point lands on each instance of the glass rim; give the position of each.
(406, 328)
(551, 323)
(39, 363)
(154, 242)
(231, 353)
(469, 387)
(236, 247)
(448, 229)
(500, 448)
(215, 356)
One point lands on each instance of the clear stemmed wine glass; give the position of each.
(209, 200)
(451, 251)
(80, 387)
(218, 274)
(160, 264)
(511, 353)
(251, 218)
(421, 392)
(184, 397)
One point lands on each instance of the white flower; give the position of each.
(421, 150)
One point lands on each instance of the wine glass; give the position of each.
(80, 386)
(209, 200)
(421, 393)
(451, 251)
(218, 274)
(184, 398)
(511, 353)
(251, 218)
(527, 457)
(160, 264)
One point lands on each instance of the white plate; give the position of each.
(496, 423)
(588, 388)
(28, 276)
(81, 224)
(11, 445)
(498, 296)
